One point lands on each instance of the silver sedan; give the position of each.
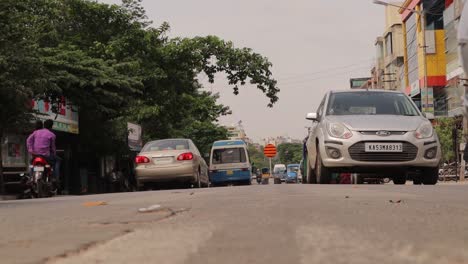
(171, 160)
(372, 132)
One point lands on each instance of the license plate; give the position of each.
(384, 147)
(38, 168)
(229, 172)
(165, 160)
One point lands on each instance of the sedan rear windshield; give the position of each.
(166, 144)
(229, 155)
(370, 103)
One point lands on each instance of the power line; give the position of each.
(334, 73)
(325, 70)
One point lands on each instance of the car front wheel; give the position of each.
(322, 173)
(430, 176)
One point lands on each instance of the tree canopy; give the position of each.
(115, 67)
(290, 153)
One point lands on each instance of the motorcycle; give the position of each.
(39, 183)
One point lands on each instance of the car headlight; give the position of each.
(338, 130)
(424, 131)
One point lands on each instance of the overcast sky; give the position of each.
(314, 45)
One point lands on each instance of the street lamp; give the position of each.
(422, 19)
(378, 2)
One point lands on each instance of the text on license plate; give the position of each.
(229, 172)
(384, 147)
(163, 160)
(38, 168)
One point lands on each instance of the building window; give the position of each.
(412, 50)
(388, 44)
(434, 14)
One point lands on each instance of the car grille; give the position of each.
(357, 152)
(390, 133)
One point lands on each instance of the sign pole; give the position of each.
(270, 168)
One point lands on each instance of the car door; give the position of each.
(313, 134)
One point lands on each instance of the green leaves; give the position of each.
(290, 153)
(444, 130)
(107, 61)
(212, 55)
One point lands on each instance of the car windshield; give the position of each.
(293, 169)
(229, 155)
(167, 144)
(370, 103)
(279, 170)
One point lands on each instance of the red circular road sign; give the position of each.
(269, 151)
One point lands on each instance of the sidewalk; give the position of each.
(8, 197)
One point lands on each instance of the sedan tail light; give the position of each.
(185, 156)
(141, 159)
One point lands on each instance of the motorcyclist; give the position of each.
(42, 143)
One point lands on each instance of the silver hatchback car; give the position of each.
(371, 131)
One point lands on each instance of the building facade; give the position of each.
(388, 70)
(425, 54)
(454, 72)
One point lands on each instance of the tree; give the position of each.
(114, 67)
(257, 157)
(21, 26)
(444, 129)
(290, 153)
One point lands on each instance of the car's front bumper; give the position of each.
(420, 146)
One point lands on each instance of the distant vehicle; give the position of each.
(279, 173)
(372, 132)
(292, 173)
(230, 163)
(170, 160)
(265, 175)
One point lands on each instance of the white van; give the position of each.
(230, 163)
(279, 173)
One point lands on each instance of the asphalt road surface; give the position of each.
(250, 224)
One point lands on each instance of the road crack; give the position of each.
(89, 246)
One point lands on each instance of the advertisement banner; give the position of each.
(13, 149)
(427, 99)
(135, 141)
(66, 118)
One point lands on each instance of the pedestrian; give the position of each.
(42, 143)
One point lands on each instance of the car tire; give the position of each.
(311, 178)
(399, 180)
(198, 180)
(322, 173)
(417, 180)
(430, 176)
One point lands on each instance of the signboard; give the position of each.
(13, 149)
(427, 99)
(66, 118)
(135, 141)
(356, 83)
(269, 151)
(415, 90)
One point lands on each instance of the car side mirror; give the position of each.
(424, 114)
(312, 116)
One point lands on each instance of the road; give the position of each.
(250, 224)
